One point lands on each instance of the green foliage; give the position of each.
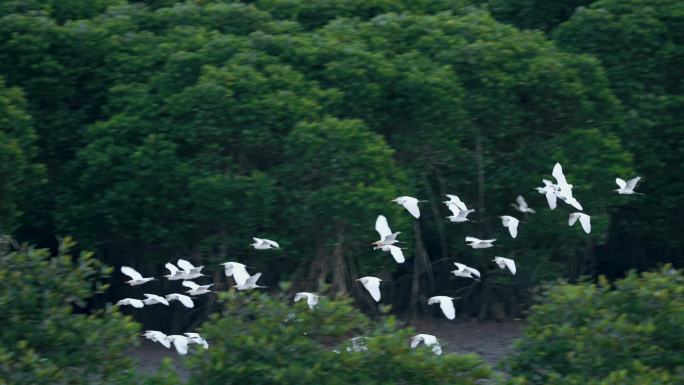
(626, 332)
(262, 340)
(44, 339)
(544, 15)
(19, 172)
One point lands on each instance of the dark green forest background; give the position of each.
(154, 130)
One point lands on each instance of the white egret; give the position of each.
(627, 188)
(455, 200)
(476, 243)
(550, 190)
(132, 302)
(191, 272)
(521, 205)
(196, 289)
(264, 244)
(184, 299)
(387, 237)
(237, 270)
(311, 298)
(446, 304)
(429, 340)
(372, 284)
(511, 223)
(396, 252)
(250, 283)
(564, 188)
(466, 271)
(585, 221)
(195, 338)
(153, 299)
(459, 215)
(157, 336)
(174, 273)
(410, 204)
(136, 278)
(505, 263)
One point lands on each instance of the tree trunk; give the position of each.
(479, 161)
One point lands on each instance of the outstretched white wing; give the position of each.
(397, 254)
(382, 227)
(172, 269)
(272, 243)
(558, 174)
(551, 198)
(472, 239)
(585, 221)
(631, 184)
(447, 306)
(157, 298)
(411, 204)
(373, 287)
(252, 279)
(131, 272)
(455, 211)
(621, 183)
(521, 202)
(573, 218)
(415, 340)
(181, 344)
(191, 285)
(510, 264)
(185, 265)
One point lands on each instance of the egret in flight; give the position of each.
(521, 205)
(136, 278)
(446, 304)
(372, 284)
(429, 340)
(251, 283)
(627, 188)
(505, 263)
(479, 243)
(466, 271)
(511, 223)
(410, 204)
(237, 270)
(190, 271)
(264, 244)
(387, 237)
(584, 219)
(311, 298)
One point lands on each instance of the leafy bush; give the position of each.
(43, 339)
(263, 340)
(628, 332)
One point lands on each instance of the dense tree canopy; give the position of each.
(188, 127)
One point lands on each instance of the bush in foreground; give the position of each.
(43, 340)
(627, 332)
(263, 340)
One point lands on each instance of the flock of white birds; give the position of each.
(387, 243)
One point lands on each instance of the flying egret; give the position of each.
(136, 278)
(511, 223)
(179, 342)
(264, 244)
(237, 270)
(396, 252)
(372, 284)
(627, 188)
(479, 243)
(564, 188)
(446, 304)
(250, 283)
(311, 298)
(521, 205)
(191, 272)
(550, 190)
(136, 303)
(184, 299)
(174, 273)
(410, 204)
(153, 299)
(585, 221)
(466, 271)
(505, 263)
(387, 237)
(157, 336)
(196, 289)
(455, 200)
(459, 215)
(195, 338)
(429, 340)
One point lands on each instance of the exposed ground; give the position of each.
(491, 340)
